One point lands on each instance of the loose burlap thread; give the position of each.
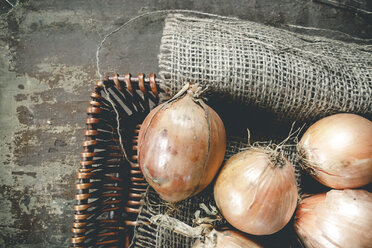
(292, 76)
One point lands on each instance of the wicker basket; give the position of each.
(109, 183)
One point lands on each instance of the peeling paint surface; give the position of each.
(42, 105)
(47, 71)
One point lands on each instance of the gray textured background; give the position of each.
(47, 70)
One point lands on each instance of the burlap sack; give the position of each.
(295, 76)
(268, 73)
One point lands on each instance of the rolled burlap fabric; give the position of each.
(295, 76)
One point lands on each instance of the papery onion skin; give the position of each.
(228, 239)
(181, 147)
(255, 194)
(336, 219)
(337, 151)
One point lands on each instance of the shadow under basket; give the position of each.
(109, 182)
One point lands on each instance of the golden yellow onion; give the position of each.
(181, 145)
(256, 191)
(337, 151)
(336, 219)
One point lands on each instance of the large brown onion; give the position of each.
(337, 151)
(337, 219)
(227, 239)
(181, 146)
(256, 191)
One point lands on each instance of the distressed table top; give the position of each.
(47, 70)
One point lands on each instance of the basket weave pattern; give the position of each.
(109, 183)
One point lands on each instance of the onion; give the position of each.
(181, 145)
(339, 218)
(226, 239)
(256, 191)
(337, 151)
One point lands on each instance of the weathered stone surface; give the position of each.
(47, 70)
